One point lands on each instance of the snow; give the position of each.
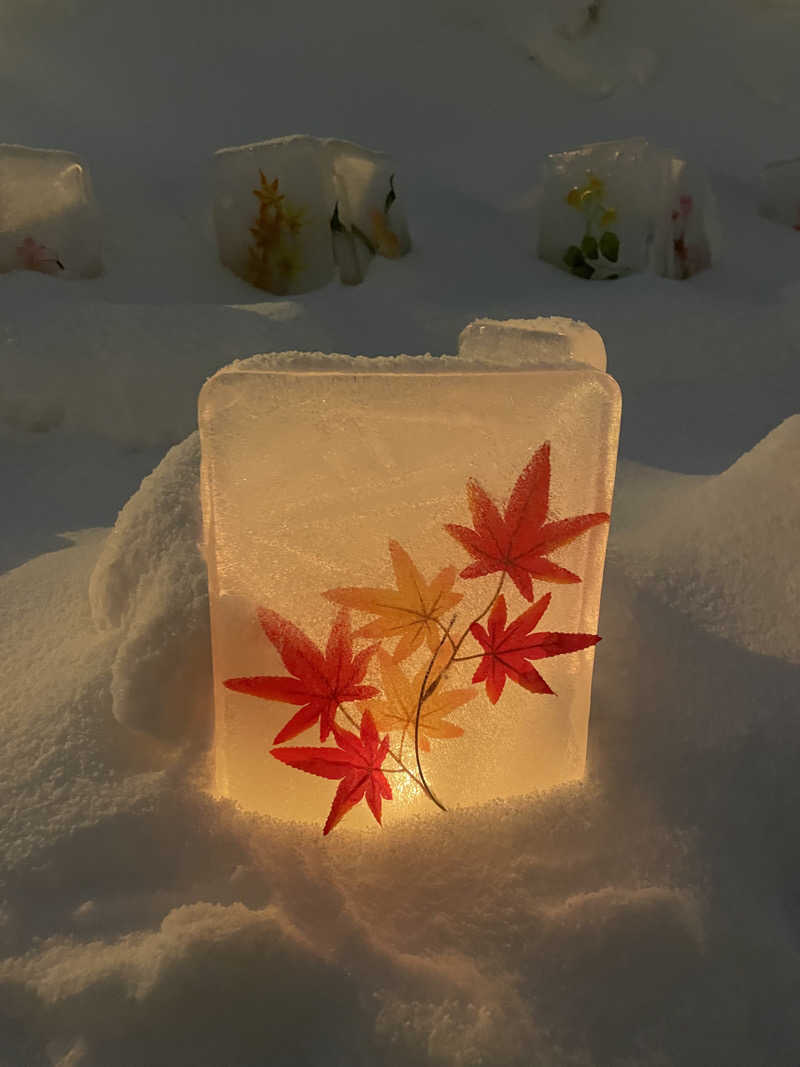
(645, 918)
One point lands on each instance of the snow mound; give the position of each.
(596, 924)
(127, 372)
(150, 586)
(724, 550)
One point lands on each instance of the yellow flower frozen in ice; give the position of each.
(583, 196)
(386, 241)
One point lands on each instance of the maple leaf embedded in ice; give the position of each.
(320, 682)
(410, 612)
(518, 541)
(35, 256)
(509, 650)
(357, 760)
(398, 709)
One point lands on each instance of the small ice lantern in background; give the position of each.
(685, 219)
(405, 558)
(291, 212)
(272, 207)
(618, 207)
(369, 217)
(49, 220)
(780, 192)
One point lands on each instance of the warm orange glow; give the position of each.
(405, 559)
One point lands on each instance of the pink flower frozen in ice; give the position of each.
(35, 256)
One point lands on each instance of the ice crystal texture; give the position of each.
(550, 340)
(315, 467)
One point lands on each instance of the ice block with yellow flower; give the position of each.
(273, 202)
(617, 207)
(369, 204)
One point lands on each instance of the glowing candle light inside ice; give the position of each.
(405, 559)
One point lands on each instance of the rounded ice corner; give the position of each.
(611, 387)
(211, 397)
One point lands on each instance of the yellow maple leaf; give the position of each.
(267, 192)
(398, 710)
(411, 611)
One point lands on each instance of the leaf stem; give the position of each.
(402, 767)
(423, 692)
(461, 639)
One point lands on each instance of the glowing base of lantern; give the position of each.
(334, 486)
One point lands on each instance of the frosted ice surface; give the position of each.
(617, 207)
(311, 468)
(367, 196)
(49, 221)
(593, 191)
(278, 237)
(685, 227)
(553, 340)
(335, 205)
(780, 192)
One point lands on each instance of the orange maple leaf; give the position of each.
(320, 682)
(410, 612)
(518, 541)
(398, 709)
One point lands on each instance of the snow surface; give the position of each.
(647, 917)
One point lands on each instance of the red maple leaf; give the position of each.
(518, 541)
(357, 760)
(509, 650)
(320, 682)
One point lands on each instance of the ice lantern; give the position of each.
(617, 207)
(49, 219)
(405, 557)
(291, 212)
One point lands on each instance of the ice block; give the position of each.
(596, 212)
(547, 341)
(685, 220)
(405, 558)
(369, 205)
(49, 220)
(273, 203)
(780, 192)
(293, 211)
(617, 207)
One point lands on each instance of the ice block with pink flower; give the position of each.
(620, 207)
(49, 219)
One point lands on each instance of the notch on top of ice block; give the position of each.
(619, 207)
(551, 341)
(780, 192)
(49, 220)
(293, 211)
(405, 561)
